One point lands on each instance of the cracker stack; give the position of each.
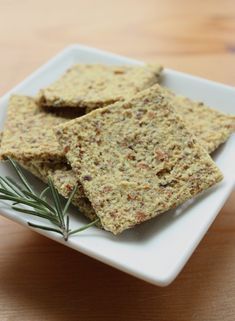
(133, 159)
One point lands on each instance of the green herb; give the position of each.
(33, 204)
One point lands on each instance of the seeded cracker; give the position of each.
(28, 132)
(136, 160)
(210, 126)
(92, 86)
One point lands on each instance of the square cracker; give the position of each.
(136, 159)
(28, 131)
(210, 126)
(94, 85)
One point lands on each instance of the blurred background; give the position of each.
(192, 36)
(42, 280)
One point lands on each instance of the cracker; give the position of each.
(211, 127)
(64, 181)
(28, 131)
(136, 159)
(92, 85)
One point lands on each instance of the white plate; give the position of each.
(157, 250)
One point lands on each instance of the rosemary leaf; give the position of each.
(10, 185)
(84, 227)
(39, 200)
(6, 192)
(18, 200)
(30, 212)
(20, 174)
(70, 199)
(47, 228)
(43, 193)
(13, 183)
(56, 200)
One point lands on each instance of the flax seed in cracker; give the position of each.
(92, 85)
(136, 159)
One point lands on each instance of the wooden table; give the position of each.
(42, 280)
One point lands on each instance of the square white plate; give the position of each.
(157, 250)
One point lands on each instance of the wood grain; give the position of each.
(42, 280)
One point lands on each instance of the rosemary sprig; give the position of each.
(23, 194)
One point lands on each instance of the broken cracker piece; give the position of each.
(136, 159)
(92, 86)
(28, 132)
